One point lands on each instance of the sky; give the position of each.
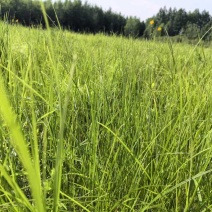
(144, 9)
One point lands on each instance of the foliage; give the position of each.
(178, 22)
(133, 27)
(192, 31)
(101, 123)
(83, 17)
(72, 15)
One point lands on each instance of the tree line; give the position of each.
(83, 17)
(173, 22)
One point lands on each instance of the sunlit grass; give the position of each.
(132, 119)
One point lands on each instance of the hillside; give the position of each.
(82, 17)
(97, 123)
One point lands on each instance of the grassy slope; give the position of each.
(134, 118)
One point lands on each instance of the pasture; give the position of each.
(97, 123)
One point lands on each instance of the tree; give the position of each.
(180, 21)
(192, 31)
(132, 27)
(162, 16)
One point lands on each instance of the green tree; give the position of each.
(180, 21)
(162, 16)
(132, 27)
(192, 31)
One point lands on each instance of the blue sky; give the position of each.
(144, 9)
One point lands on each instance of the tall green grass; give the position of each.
(96, 123)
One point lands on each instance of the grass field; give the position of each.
(97, 123)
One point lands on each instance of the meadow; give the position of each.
(98, 123)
